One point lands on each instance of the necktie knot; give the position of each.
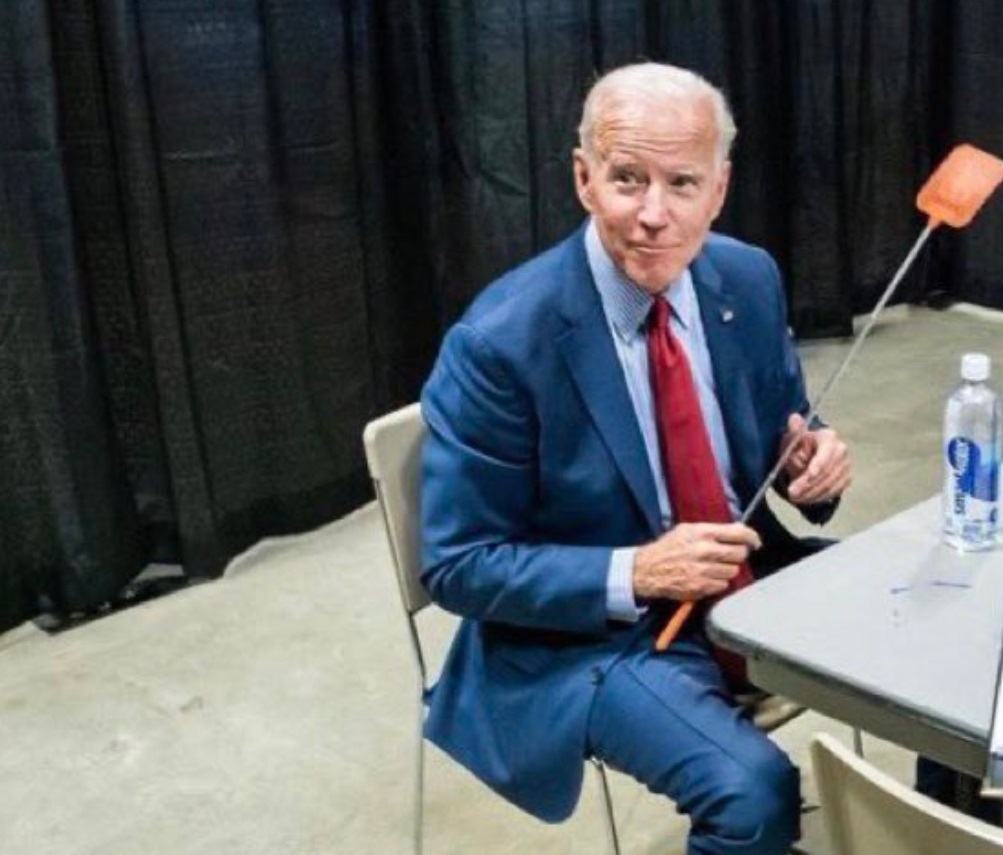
(658, 317)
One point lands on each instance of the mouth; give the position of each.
(652, 250)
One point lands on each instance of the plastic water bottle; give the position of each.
(972, 459)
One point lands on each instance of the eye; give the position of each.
(684, 183)
(627, 177)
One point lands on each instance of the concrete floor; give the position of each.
(271, 712)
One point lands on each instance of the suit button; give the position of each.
(597, 676)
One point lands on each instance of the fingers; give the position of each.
(711, 581)
(734, 533)
(796, 423)
(831, 458)
(801, 454)
(808, 491)
(819, 466)
(716, 585)
(827, 474)
(692, 560)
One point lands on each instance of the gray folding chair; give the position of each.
(869, 813)
(393, 452)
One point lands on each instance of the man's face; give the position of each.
(654, 186)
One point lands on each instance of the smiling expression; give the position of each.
(654, 183)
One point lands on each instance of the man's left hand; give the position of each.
(819, 468)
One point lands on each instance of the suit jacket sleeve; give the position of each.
(482, 555)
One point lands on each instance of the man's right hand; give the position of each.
(692, 560)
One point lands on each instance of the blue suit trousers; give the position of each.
(668, 720)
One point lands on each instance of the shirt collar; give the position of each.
(626, 304)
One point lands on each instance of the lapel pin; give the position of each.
(727, 316)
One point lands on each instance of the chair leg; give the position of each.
(858, 742)
(418, 807)
(614, 840)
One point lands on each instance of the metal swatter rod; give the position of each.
(834, 378)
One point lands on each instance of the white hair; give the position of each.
(654, 83)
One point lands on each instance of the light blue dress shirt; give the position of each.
(626, 307)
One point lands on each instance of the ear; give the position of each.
(721, 190)
(583, 168)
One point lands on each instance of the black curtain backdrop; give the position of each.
(231, 232)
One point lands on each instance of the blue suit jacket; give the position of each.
(534, 469)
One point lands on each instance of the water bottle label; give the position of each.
(970, 494)
(976, 475)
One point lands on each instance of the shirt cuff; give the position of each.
(620, 604)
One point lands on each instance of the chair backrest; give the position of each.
(869, 813)
(393, 453)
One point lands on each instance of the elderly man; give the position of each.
(597, 421)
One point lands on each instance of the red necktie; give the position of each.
(688, 463)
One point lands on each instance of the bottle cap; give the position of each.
(975, 367)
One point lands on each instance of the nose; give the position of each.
(654, 212)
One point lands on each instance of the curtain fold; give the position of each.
(233, 232)
(62, 478)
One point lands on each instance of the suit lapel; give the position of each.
(729, 363)
(590, 355)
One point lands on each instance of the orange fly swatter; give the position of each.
(953, 194)
(960, 186)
